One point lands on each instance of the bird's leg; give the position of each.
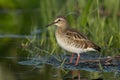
(71, 58)
(77, 59)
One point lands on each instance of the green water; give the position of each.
(22, 23)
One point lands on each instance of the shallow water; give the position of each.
(16, 64)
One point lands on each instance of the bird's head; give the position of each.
(60, 21)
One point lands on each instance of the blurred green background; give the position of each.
(22, 19)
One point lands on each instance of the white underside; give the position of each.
(72, 49)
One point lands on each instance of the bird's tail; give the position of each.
(97, 48)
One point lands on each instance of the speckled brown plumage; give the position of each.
(72, 40)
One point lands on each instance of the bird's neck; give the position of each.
(61, 30)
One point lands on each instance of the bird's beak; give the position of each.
(51, 24)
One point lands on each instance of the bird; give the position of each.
(72, 40)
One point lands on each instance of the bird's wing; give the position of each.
(70, 33)
(81, 39)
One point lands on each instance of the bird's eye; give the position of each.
(59, 20)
